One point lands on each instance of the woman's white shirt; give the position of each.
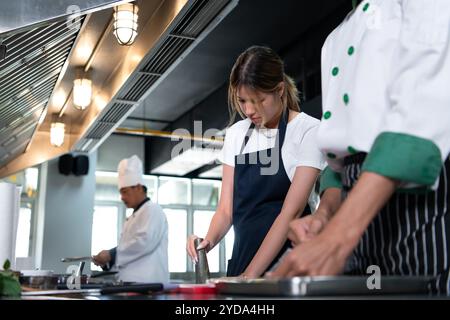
(299, 148)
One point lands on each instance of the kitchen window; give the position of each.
(28, 179)
(202, 220)
(24, 232)
(104, 229)
(205, 192)
(189, 205)
(177, 220)
(173, 191)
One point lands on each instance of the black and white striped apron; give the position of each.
(409, 236)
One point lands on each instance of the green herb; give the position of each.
(6, 265)
(9, 282)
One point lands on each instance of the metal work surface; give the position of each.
(325, 286)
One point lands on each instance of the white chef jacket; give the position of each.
(142, 253)
(385, 87)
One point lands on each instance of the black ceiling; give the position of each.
(196, 90)
(295, 29)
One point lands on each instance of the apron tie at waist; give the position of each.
(357, 158)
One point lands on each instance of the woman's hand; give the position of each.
(192, 250)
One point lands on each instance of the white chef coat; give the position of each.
(386, 68)
(142, 253)
(299, 147)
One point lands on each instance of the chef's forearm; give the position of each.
(330, 202)
(366, 199)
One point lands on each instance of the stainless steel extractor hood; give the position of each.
(36, 78)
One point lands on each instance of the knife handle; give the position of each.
(139, 288)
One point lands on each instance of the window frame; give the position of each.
(189, 207)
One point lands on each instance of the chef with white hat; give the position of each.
(141, 255)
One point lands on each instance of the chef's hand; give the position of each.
(326, 253)
(102, 258)
(304, 229)
(190, 247)
(322, 255)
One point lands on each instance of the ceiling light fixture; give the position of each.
(125, 23)
(57, 131)
(82, 90)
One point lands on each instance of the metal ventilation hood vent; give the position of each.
(27, 77)
(42, 61)
(190, 26)
(21, 14)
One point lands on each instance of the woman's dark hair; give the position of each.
(261, 69)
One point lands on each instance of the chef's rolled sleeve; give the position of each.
(405, 158)
(329, 179)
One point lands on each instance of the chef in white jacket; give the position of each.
(142, 253)
(386, 134)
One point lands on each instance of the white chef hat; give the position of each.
(130, 172)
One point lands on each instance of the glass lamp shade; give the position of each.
(82, 93)
(57, 130)
(125, 23)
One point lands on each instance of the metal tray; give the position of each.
(143, 288)
(324, 286)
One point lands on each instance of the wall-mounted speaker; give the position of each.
(65, 164)
(80, 165)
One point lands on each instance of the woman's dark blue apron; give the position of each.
(257, 199)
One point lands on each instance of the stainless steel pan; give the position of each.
(76, 259)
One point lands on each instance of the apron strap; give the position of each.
(280, 134)
(282, 128)
(247, 137)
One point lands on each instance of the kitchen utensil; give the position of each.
(38, 279)
(68, 280)
(324, 286)
(137, 288)
(201, 267)
(75, 259)
(195, 289)
(103, 274)
(60, 292)
(80, 269)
